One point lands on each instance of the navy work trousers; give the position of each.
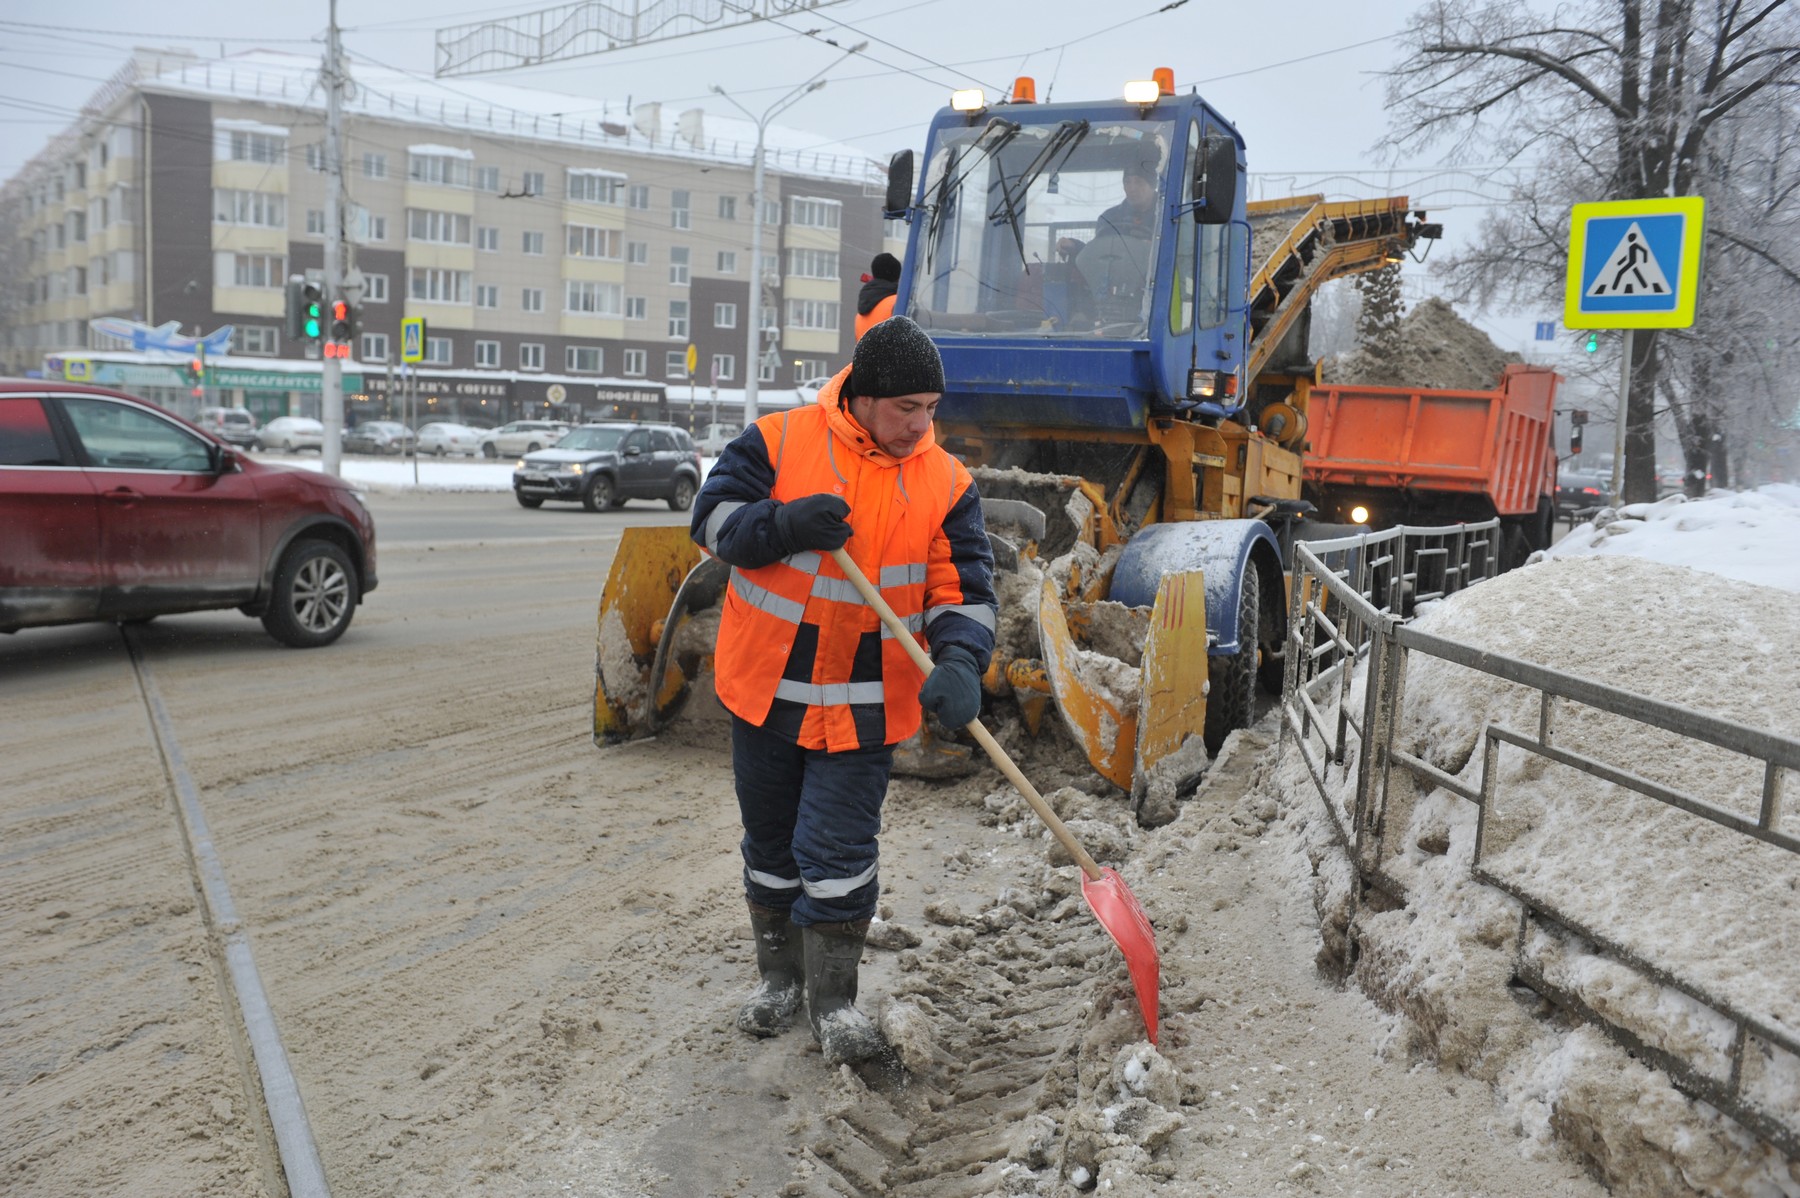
(811, 821)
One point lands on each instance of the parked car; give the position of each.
(605, 465)
(521, 436)
(1580, 492)
(234, 426)
(713, 438)
(441, 437)
(290, 434)
(379, 436)
(113, 509)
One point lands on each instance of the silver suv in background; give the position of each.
(521, 436)
(605, 465)
(234, 426)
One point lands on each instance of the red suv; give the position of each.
(113, 509)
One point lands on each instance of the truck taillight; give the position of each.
(1211, 384)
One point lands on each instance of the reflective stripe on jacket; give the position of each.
(798, 650)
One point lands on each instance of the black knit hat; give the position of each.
(895, 357)
(885, 267)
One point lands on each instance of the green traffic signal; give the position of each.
(1593, 343)
(314, 315)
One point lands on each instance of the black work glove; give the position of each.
(813, 522)
(952, 690)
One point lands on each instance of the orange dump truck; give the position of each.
(1381, 456)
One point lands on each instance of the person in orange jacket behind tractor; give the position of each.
(818, 692)
(875, 302)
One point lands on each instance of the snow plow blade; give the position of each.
(659, 580)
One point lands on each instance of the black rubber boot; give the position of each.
(833, 952)
(772, 1004)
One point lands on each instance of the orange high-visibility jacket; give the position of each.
(797, 647)
(874, 316)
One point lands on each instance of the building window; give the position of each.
(261, 339)
(487, 239)
(444, 170)
(679, 211)
(441, 228)
(375, 289)
(437, 351)
(592, 187)
(771, 269)
(772, 212)
(531, 299)
(531, 356)
(727, 263)
(637, 363)
(315, 157)
(766, 367)
(893, 230)
(315, 223)
(374, 166)
(678, 318)
(265, 209)
(637, 253)
(487, 355)
(808, 369)
(584, 359)
(251, 270)
(430, 285)
(532, 184)
(815, 213)
(813, 264)
(487, 178)
(636, 307)
(678, 265)
(376, 227)
(586, 298)
(675, 364)
(724, 367)
(638, 196)
(240, 145)
(374, 347)
(727, 207)
(820, 315)
(534, 243)
(487, 295)
(724, 316)
(588, 241)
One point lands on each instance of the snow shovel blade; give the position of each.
(1123, 917)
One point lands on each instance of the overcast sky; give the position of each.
(1302, 80)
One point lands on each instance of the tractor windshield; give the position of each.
(1042, 230)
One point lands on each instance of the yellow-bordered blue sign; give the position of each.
(1634, 264)
(412, 339)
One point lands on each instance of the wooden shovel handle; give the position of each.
(873, 598)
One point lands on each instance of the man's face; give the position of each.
(897, 423)
(1140, 192)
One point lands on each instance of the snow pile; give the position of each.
(1438, 349)
(1638, 601)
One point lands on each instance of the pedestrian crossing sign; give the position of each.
(412, 339)
(1634, 264)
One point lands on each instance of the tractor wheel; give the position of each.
(1231, 699)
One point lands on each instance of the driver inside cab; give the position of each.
(1110, 271)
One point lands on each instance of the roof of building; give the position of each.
(483, 107)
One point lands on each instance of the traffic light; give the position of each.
(1575, 440)
(343, 322)
(1593, 342)
(296, 304)
(196, 374)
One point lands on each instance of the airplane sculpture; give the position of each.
(167, 337)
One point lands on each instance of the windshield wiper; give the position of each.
(958, 169)
(1062, 142)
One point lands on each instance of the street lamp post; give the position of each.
(753, 342)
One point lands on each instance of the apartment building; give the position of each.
(592, 247)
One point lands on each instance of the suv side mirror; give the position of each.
(1215, 180)
(899, 186)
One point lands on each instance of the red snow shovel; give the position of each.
(1107, 896)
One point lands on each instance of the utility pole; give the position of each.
(753, 343)
(331, 382)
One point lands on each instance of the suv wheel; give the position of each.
(598, 493)
(315, 595)
(683, 498)
(527, 500)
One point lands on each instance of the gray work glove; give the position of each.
(952, 690)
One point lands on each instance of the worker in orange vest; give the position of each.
(875, 302)
(818, 691)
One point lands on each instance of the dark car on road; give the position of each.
(1580, 493)
(605, 465)
(113, 509)
(379, 436)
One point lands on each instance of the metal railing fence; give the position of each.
(1348, 607)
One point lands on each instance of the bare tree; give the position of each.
(1606, 100)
